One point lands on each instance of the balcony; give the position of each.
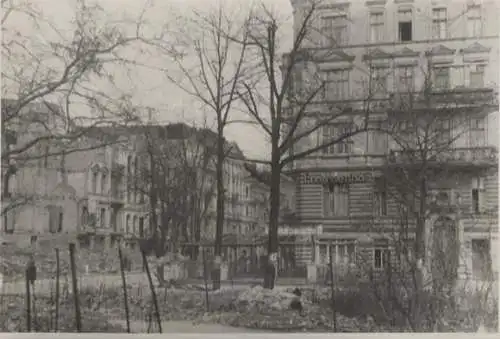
(465, 97)
(467, 157)
(454, 98)
(116, 197)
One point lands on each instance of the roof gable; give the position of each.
(406, 52)
(377, 53)
(475, 48)
(441, 50)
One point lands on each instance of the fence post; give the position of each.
(30, 280)
(333, 292)
(152, 287)
(28, 303)
(58, 272)
(124, 283)
(205, 279)
(78, 319)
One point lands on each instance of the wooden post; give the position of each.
(152, 287)
(28, 303)
(58, 272)
(78, 317)
(124, 284)
(333, 292)
(205, 280)
(30, 280)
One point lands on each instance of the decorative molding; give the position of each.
(380, 63)
(475, 48)
(336, 6)
(442, 60)
(405, 63)
(371, 3)
(404, 1)
(406, 52)
(376, 54)
(440, 50)
(326, 66)
(336, 56)
(476, 58)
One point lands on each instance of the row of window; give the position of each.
(337, 82)
(134, 194)
(344, 253)
(134, 225)
(336, 199)
(378, 142)
(334, 28)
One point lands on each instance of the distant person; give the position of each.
(31, 270)
(296, 304)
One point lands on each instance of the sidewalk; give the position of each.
(186, 327)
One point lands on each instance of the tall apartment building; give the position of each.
(76, 197)
(444, 56)
(99, 196)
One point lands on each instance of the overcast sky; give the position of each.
(151, 88)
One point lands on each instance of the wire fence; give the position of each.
(73, 289)
(119, 290)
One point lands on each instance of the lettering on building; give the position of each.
(333, 178)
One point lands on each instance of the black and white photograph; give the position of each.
(249, 166)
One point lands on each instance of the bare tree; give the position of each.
(50, 97)
(428, 131)
(176, 175)
(210, 65)
(280, 100)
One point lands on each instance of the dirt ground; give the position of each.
(188, 327)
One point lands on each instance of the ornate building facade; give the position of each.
(422, 68)
(98, 195)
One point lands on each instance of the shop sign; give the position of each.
(333, 178)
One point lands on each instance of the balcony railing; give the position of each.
(459, 97)
(463, 96)
(477, 156)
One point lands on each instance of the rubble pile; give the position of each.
(14, 260)
(272, 310)
(13, 317)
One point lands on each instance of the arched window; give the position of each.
(141, 227)
(104, 179)
(136, 173)
(127, 223)
(129, 176)
(129, 164)
(95, 177)
(84, 218)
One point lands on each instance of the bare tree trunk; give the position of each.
(220, 209)
(420, 250)
(273, 243)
